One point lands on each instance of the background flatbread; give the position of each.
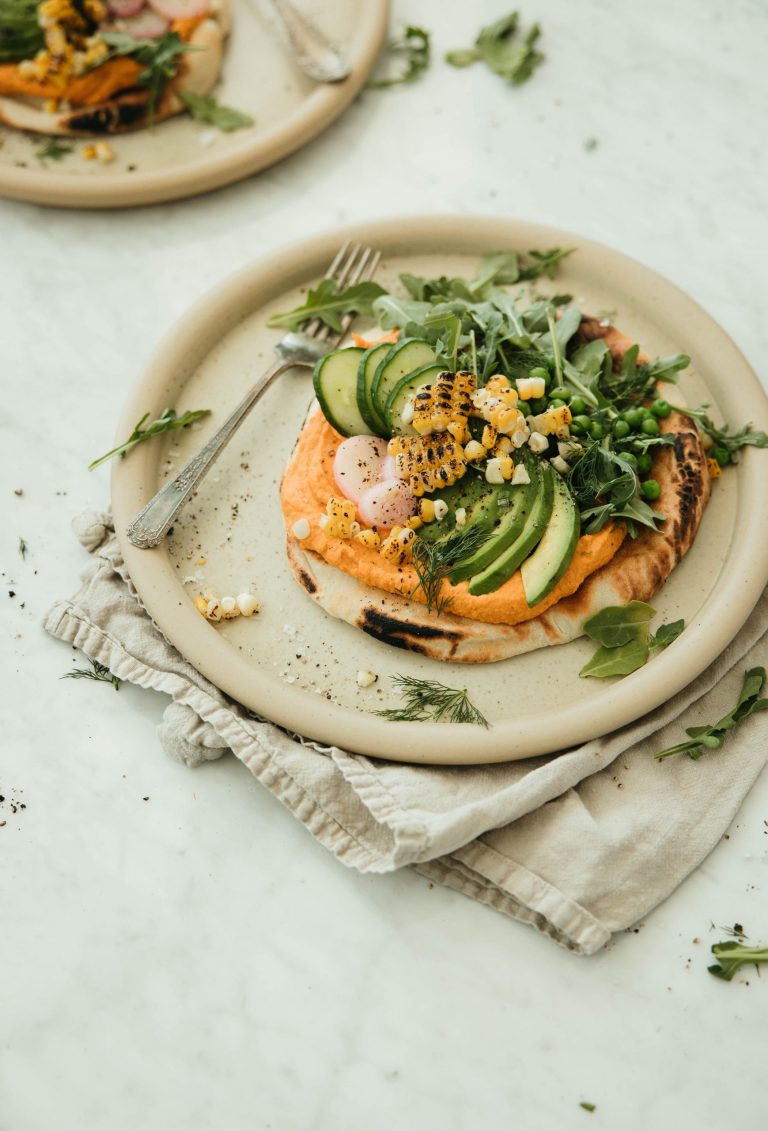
(636, 571)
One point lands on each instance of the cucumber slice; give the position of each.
(549, 561)
(403, 357)
(398, 398)
(366, 372)
(335, 382)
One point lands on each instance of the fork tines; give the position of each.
(351, 264)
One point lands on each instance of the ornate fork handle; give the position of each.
(152, 522)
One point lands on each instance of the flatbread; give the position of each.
(636, 572)
(128, 110)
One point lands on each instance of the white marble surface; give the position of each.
(175, 951)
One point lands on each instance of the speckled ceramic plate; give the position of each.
(295, 665)
(182, 157)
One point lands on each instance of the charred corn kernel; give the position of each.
(427, 510)
(446, 401)
(369, 538)
(473, 451)
(414, 522)
(530, 387)
(247, 604)
(714, 468)
(560, 465)
(461, 516)
(104, 152)
(427, 462)
(441, 509)
(459, 430)
(489, 437)
(554, 421)
(366, 678)
(201, 604)
(341, 516)
(397, 548)
(520, 476)
(537, 442)
(496, 403)
(499, 469)
(301, 529)
(88, 152)
(503, 446)
(213, 609)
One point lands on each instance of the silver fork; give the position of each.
(296, 349)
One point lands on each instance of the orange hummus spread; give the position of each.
(309, 483)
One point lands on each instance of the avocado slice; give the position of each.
(473, 494)
(502, 567)
(509, 512)
(542, 570)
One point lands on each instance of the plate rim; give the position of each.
(315, 114)
(431, 743)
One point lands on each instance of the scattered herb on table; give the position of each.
(52, 150)
(97, 671)
(625, 640)
(426, 700)
(590, 144)
(725, 443)
(209, 110)
(498, 46)
(413, 51)
(330, 304)
(588, 1106)
(433, 562)
(159, 57)
(166, 422)
(705, 738)
(22, 547)
(731, 956)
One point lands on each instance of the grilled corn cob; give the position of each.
(427, 462)
(444, 403)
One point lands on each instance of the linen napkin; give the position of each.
(579, 845)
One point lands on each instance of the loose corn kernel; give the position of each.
(530, 387)
(441, 509)
(499, 469)
(714, 468)
(461, 516)
(427, 510)
(520, 476)
(489, 437)
(459, 430)
(201, 604)
(88, 152)
(473, 451)
(503, 446)
(397, 548)
(369, 538)
(366, 678)
(247, 604)
(560, 465)
(537, 442)
(341, 515)
(414, 522)
(104, 152)
(301, 529)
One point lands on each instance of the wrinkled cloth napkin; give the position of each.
(579, 845)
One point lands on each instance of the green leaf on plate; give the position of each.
(666, 634)
(621, 660)
(620, 624)
(209, 110)
(329, 304)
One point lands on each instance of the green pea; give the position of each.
(661, 408)
(644, 462)
(650, 427)
(524, 407)
(580, 424)
(630, 458)
(578, 405)
(541, 372)
(650, 489)
(722, 455)
(538, 404)
(596, 430)
(634, 417)
(559, 392)
(556, 403)
(620, 429)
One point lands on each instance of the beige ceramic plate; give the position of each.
(182, 157)
(295, 665)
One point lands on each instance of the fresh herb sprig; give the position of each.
(329, 304)
(52, 150)
(725, 443)
(704, 738)
(206, 109)
(166, 422)
(623, 633)
(97, 671)
(605, 486)
(498, 46)
(731, 956)
(433, 562)
(426, 700)
(412, 54)
(159, 57)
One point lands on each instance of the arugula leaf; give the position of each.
(330, 304)
(667, 633)
(414, 50)
(726, 443)
(159, 57)
(635, 383)
(623, 660)
(620, 624)
(427, 700)
(731, 956)
(392, 313)
(166, 422)
(209, 110)
(497, 46)
(703, 738)
(52, 150)
(544, 263)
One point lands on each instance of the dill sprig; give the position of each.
(425, 700)
(166, 421)
(22, 548)
(97, 671)
(433, 561)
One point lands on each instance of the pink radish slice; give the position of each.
(124, 9)
(357, 463)
(388, 503)
(147, 25)
(179, 9)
